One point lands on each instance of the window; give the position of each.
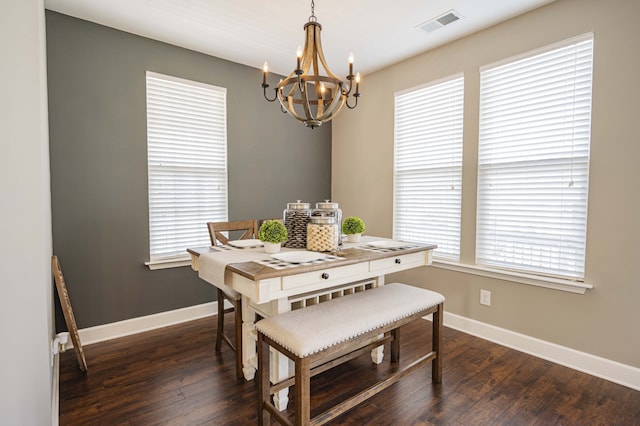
(187, 163)
(533, 161)
(428, 166)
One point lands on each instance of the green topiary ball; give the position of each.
(353, 225)
(272, 231)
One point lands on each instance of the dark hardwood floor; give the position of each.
(173, 376)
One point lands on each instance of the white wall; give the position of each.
(604, 321)
(25, 218)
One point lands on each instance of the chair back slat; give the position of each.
(249, 229)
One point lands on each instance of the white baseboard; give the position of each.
(613, 371)
(131, 326)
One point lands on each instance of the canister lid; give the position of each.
(327, 205)
(323, 220)
(298, 205)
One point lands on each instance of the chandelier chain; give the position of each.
(313, 18)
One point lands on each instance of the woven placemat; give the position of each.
(386, 249)
(281, 264)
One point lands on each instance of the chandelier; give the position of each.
(308, 95)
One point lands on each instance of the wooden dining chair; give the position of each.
(220, 234)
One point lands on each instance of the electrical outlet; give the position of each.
(485, 297)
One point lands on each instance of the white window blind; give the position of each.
(428, 166)
(533, 161)
(187, 163)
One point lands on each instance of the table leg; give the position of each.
(248, 339)
(377, 354)
(281, 367)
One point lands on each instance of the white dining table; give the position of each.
(294, 279)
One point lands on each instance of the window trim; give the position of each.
(568, 285)
(174, 262)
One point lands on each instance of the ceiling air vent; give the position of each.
(440, 21)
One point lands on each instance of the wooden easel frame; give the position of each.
(68, 312)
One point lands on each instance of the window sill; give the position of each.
(172, 262)
(530, 279)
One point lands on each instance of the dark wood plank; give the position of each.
(173, 376)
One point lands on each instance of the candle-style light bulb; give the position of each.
(265, 70)
(351, 63)
(298, 57)
(357, 83)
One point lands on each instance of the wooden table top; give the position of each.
(256, 272)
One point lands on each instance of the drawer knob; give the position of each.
(325, 275)
(398, 261)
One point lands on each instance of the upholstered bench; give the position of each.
(347, 326)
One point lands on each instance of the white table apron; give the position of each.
(298, 286)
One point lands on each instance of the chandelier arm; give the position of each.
(275, 93)
(354, 105)
(350, 78)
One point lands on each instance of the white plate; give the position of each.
(299, 256)
(246, 243)
(387, 244)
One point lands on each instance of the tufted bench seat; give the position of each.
(312, 335)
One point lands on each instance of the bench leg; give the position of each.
(395, 345)
(303, 391)
(436, 345)
(263, 381)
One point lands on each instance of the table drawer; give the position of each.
(398, 263)
(325, 276)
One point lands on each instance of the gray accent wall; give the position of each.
(97, 116)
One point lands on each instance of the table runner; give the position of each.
(212, 265)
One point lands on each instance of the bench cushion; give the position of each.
(313, 329)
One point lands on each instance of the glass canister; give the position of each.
(296, 218)
(322, 233)
(328, 208)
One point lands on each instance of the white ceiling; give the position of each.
(378, 32)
